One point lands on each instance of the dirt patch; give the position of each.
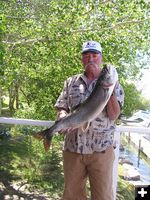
(21, 191)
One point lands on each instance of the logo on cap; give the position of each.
(91, 46)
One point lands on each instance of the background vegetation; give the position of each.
(40, 46)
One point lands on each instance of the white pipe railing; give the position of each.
(133, 129)
(6, 120)
(31, 122)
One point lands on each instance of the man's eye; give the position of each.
(94, 56)
(86, 56)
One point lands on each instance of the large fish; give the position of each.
(86, 111)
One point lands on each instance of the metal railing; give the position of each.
(119, 129)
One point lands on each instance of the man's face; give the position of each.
(90, 57)
(92, 61)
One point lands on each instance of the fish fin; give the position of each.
(41, 135)
(85, 126)
(47, 142)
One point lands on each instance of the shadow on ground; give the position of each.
(26, 172)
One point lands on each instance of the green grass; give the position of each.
(125, 190)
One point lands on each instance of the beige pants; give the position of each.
(98, 167)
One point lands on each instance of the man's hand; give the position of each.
(61, 114)
(113, 107)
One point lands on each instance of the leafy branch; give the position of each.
(47, 39)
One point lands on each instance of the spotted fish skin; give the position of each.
(85, 112)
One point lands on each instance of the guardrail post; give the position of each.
(115, 167)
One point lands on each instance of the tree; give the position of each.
(43, 41)
(133, 99)
(2, 51)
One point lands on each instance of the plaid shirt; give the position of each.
(99, 135)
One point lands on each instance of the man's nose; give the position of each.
(90, 58)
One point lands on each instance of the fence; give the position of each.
(119, 129)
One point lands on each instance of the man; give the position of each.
(89, 153)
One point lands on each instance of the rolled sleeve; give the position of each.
(119, 92)
(62, 101)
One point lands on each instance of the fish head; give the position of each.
(108, 76)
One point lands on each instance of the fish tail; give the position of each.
(41, 134)
(46, 137)
(47, 142)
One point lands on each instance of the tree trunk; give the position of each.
(17, 95)
(11, 98)
(0, 101)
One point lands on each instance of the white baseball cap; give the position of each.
(91, 46)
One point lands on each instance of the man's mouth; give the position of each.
(91, 63)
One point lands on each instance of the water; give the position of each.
(143, 168)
